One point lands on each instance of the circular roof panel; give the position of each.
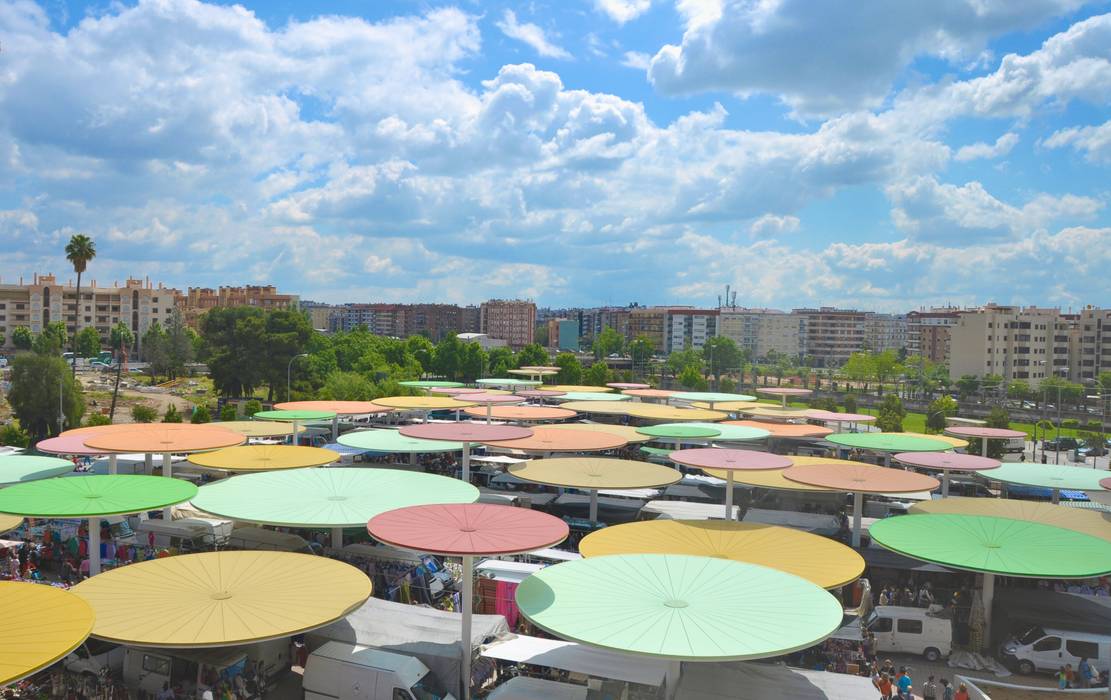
(339, 408)
(1050, 476)
(784, 430)
(729, 460)
(835, 417)
(1095, 523)
(733, 433)
(430, 384)
(423, 403)
(254, 458)
(522, 413)
(866, 478)
(259, 428)
(595, 473)
(464, 431)
(711, 396)
(68, 445)
(888, 442)
(649, 393)
(591, 396)
(468, 529)
(17, 468)
(581, 388)
(539, 393)
(625, 432)
(783, 391)
(627, 385)
(295, 415)
(679, 430)
(393, 441)
(94, 495)
(9, 522)
(544, 439)
(774, 479)
(952, 461)
(979, 431)
(162, 441)
(40, 625)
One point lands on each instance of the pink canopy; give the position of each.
(835, 417)
(456, 390)
(493, 398)
(464, 529)
(649, 393)
(69, 445)
(1106, 483)
(977, 431)
(952, 461)
(859, 477)
(465, 431)
(731, 460)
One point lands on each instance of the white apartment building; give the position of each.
(1017, 343)
(886, 331)
(761, 331)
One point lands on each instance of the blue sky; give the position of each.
(875, 154)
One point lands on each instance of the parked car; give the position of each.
(1043, 649)
(1060, 444)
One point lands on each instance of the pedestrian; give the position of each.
(962, 693)
(1084, 674)
(946, 690)
(1070, 677)
(1062, 678)
(885, 596)
(925, 596)
(929, 689)
(167, 693)
(905, 684)
(885, 687)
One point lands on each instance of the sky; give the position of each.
(879, 154)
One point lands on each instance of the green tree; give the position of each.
(79, 251)
(200, 414)
(88, 342)
(608, 342)
(641, 350)
(155, 347)
(141, 413)
(850, 404)
(679, 360)
(52, 340)
(41, 386)
(1019, 390)
(727, 385)
(598, 374)
(422, 350)
(967, 386)
(13, 435)
(885, 365)
(179, 343)
(501, 361)
(722, 355)
(447, 357)
(23, 338)
(94, 419)
(120, 338)
(228, 412)
(251, 407)
(172, 415)
(348, 386)
(690, 378)
(997, 418)
(540, 335)
(235, 351)
(891, 414)
(937, 411)
(860, 368)
(474, 362)
(570, 369)
(533, 355)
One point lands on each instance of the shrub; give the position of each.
(201, 414)
(143, 414)
(171, 415)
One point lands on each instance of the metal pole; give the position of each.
(489, 412)
(468, 593)
(467, 462)
(1056, 496)
(337, 537)
(1057, 452)
(944, 483)
(674, 672)
(729, 495)
(94, 546)
(168, 472)
(983, 447)
(594, 505)
(335, 428)
(988, 598)
(858, 508)
(112, 468)
(293, 438)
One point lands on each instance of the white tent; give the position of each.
(759, 681)
(576, 658)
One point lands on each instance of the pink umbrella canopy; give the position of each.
(730, 460)
(1106, 483)
(493, 398)
(69, 445)
(952, 461)
(976, 431)
(466, 529)
(456, 390)
(465, 431)
(835, 417)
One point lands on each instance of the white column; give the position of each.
(293, 438)
(148, 461)
(413, 459)
(1056, 496)
(112, 467)
(467, 462)
(729, 495)
(988, 597)
(783, 398)
(337, 537)
(94, 546)
(674, 671)
(335, 428)
(168, 472)
(887, 459)
(593, 505)
(489, 412)
(945, 483)
(858, 507)
(468, 594)
(983, 447)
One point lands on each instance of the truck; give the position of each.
(354, 672)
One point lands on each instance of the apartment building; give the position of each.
(592, 321)
(198, 300)
(319, 314)
(138, 304)
(829, 336)
(885, 331)
(511, 320)
(563, 334)
(762, 331)
(1017, 343)
(1093, 345)
(928, 333)
(434, 321)
(650, 322)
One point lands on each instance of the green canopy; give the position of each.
(679, 607)
(711, 396)
(331, 497)
(730, 433)
(90, 496)
(592, 396)
(680, 430)
(295, 415)
(393, 441)
(1050, 476)
(430, 384)
(17, 468)
(995, 545)
(889, 442)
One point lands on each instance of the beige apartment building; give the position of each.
(200, 299)
(1093, 346)
(928, 333)
(511, 320)
(1017, 343)
(761, 331)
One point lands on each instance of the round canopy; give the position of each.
(595, 473)
(627, 385)
(392, 441)
(546, 368)
(40, 625)
(729, 460)
(17, 468)
(582, 388)
(730, 406)
(68, 445)
(430, 384)
(888, 442)
(1095, 523)
(162, 441)
(978, 431)
(457, 391)
(649, 393)
(423, 403)
(344, 497)
(533, 372)
(835, 417)
(295, 415)
(711, 396)
(544, 439)
(538, 393)
(507, 381)
(1106, 483)
(774, 479)
(340, 408)
(674, 414)
(95, 495)
(1050, 476)
(767, 411)
(732, 433)
(522, 413)
(615, 408)
(493, 398)
(951, 461)
(784, 430)
(783, 391)
(627, 433)
(817, 559)
(465, 432)
(865, 478)
(217, 599)
(679, 430)
(257, 458)
(91, 430)
(259, 428)
(467, 529)
(995, 545)
(9, 522)
(591, 396)
(679, 607)
(954, 443)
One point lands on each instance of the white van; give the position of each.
(268, 540)
(352, 672)
(910, 631)
(185, 534)
(525, 688)
(1044, 649)
(146, 669)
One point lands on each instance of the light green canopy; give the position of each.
(731, 433)
(889, 442)
(679, 607)
(295, 415)
(89, 496)
(591, 396)
(393, 441)
(430, 384)
(17, 468)
(1050, 476)
(711, 396)
(508, 381)
(327, 497)
(995, 545)
(680, 430)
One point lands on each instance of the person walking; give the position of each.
(929, 689)
(962, 693)
(946, 690)
(905, 684)
(1084, 674)
(885, 687)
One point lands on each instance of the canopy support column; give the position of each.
(729, 495)
(858, 507)
(335, 427)
(988, 596)
(294, 439)
(887, 459)
(94, 546)
(467, 462)
(468, 651)
(674, 672)
(489, 412)
(594, 505)
(945, 483)
(337, 537)
(413, 459)
(112, 464)
(983, 447)
(1056, 497)
(148, 462)
(168, 472)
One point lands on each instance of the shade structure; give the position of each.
(682, 607)
(591, 396)
(1050, 476)
(298, 416)
(627, 385)
(649, 393)
(783, 392)
(340, 408)
(784, 430)
(139, 427)
(817, 559)
(732, 433)
(465, 433)
(393, 441)
(729, 406)
(217, 599)
(165, 441)
(538, 393)
(1095, 523)
(332, 498)
(946, 462)
(9, 522)
(546, 368)
(626, 432)
(679, 431)
(729, 461)
(467, 530)
(430, 384)
(583, 388)
(507, 382)
(836, 417)
(68, 445)
(17, 468)
(775, 412)
(774, 479)
(423, 403)
(711, 397)
(954, 442)
(888, 442)
(546, 440)
(984, 433)
(522, 413)
(610, 408)
(457, 390)
(673, 414)
(40, 625)
(257, 458)
(533, 372)
(258, 428)
(485, 398)
(595, 473)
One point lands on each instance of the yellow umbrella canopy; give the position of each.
(595, 473)
(627, 432)
(216, 599)
(769, 411)
(9, 522)
(422, 403)
(1091, 522)
(260, 428)
(673, 414)
(40, 625)
(818, 559)
(957, 443)
(261, 458)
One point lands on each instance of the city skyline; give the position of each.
(582, 154)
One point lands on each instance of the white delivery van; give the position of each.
(1044, 649)
(338, 671)
(147, 668)
(186, 534)
(268, 540)
(910, 631)
(525, 688)
(94, 657)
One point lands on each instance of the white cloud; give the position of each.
(772, 224)
(622, 11)
(636, 60)
(976, 151)
(531, 34)
(1093, 141)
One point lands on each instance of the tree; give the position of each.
(88, 342)
(1019, 390)
(533, 355)
(13, 435)
(41, 387)
(23, 338)
(937, 411)
(641, 350)
(447, 357)
(94, 419)
(347, 386)
(598, 374)
(234, 348)
(860, 368)
(179, 341)
(690, 378)
(967, 386)
(79, 251)
(52, 339)
(474, 361)
(422, 350)
(540, 335)
(141, 413)
(200, 414)
(228, 412)
(891, 414)
(171, 415)
(885, 364)
(251, 407)
(501, 361)
(722, 355)
(850, 404)
(120, 338)
(570, 369)
(997, 418)
(608, 342)
(155, 346)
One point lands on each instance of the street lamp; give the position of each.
(288, 369)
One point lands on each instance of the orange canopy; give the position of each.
(545, 439)
(163, 441)
(784, 430)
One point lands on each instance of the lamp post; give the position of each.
(288, 369)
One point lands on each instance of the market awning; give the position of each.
(577, 658)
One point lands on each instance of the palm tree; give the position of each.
(79, 251)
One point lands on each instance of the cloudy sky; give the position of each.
(873, 154)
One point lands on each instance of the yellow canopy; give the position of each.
(575, 388)
(614, 408)
(664, 412)
(774, 479)
(628, 433)
(260, 428)
(9, 522)
(263, 458)
(40, 625)
(216, 599)
(955, 442)
(731, 406)
(1091, 522)
(818, 559)
(421, 403)
(595, 473)
(769, 411)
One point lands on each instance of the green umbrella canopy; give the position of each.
(346, 497)
(17, 468)
(430, 384)
(592, 396)
(1050, 476)
(729, 433)
(89, 496)
(995, 545)
(889, 442)
(295, 415)
(680, 430)
(711, 396)
(393, 441)
(679, 607)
